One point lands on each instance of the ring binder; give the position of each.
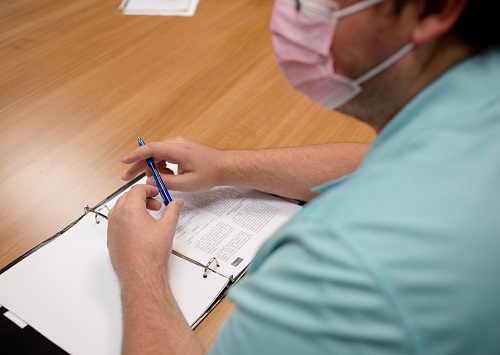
(76, 251)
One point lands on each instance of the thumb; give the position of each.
(171, 214)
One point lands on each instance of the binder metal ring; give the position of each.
(97, 212)
(207, 267)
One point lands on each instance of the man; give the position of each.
(399, 255)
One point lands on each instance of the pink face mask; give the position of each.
(303, 33)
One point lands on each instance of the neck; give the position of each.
(434, 61)
(386, 94)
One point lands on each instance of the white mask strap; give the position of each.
(386, 63)
(349, 10)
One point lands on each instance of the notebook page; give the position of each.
(228, 223)
(68, 290)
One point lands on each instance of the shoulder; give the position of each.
(310, 293)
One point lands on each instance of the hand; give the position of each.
(137, 242)
(198, 165)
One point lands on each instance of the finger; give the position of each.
(120, 201)
(111, 213)
(138, 158)
(171, 215)
(171, 150)
(135, 170)
(141, 193)
(118, 205)
(153, 204)
(141, 153)
(151, 180)
(187, 182)
(138, 154)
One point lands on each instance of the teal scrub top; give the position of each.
(403, 255)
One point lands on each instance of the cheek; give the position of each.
(364, 40)
(354, 45)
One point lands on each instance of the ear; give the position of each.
(437, 23)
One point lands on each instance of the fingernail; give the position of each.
(180, 203)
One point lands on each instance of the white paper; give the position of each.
(69, 292)
(159, 7)
(229, 224)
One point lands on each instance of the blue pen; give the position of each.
(159, 182)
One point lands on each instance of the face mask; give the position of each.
(302, 37)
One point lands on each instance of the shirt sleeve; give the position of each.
(309, 293)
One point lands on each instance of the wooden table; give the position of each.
(79, 81)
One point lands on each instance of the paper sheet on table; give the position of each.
(159, 7)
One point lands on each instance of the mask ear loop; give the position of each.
(386, 63)
(349, 10)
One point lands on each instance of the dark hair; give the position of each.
(478, 25)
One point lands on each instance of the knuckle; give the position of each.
(179, 139)
(149, 148)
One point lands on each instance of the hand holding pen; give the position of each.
(159, 182)
(199, 166)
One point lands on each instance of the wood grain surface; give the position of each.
(79, 81)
